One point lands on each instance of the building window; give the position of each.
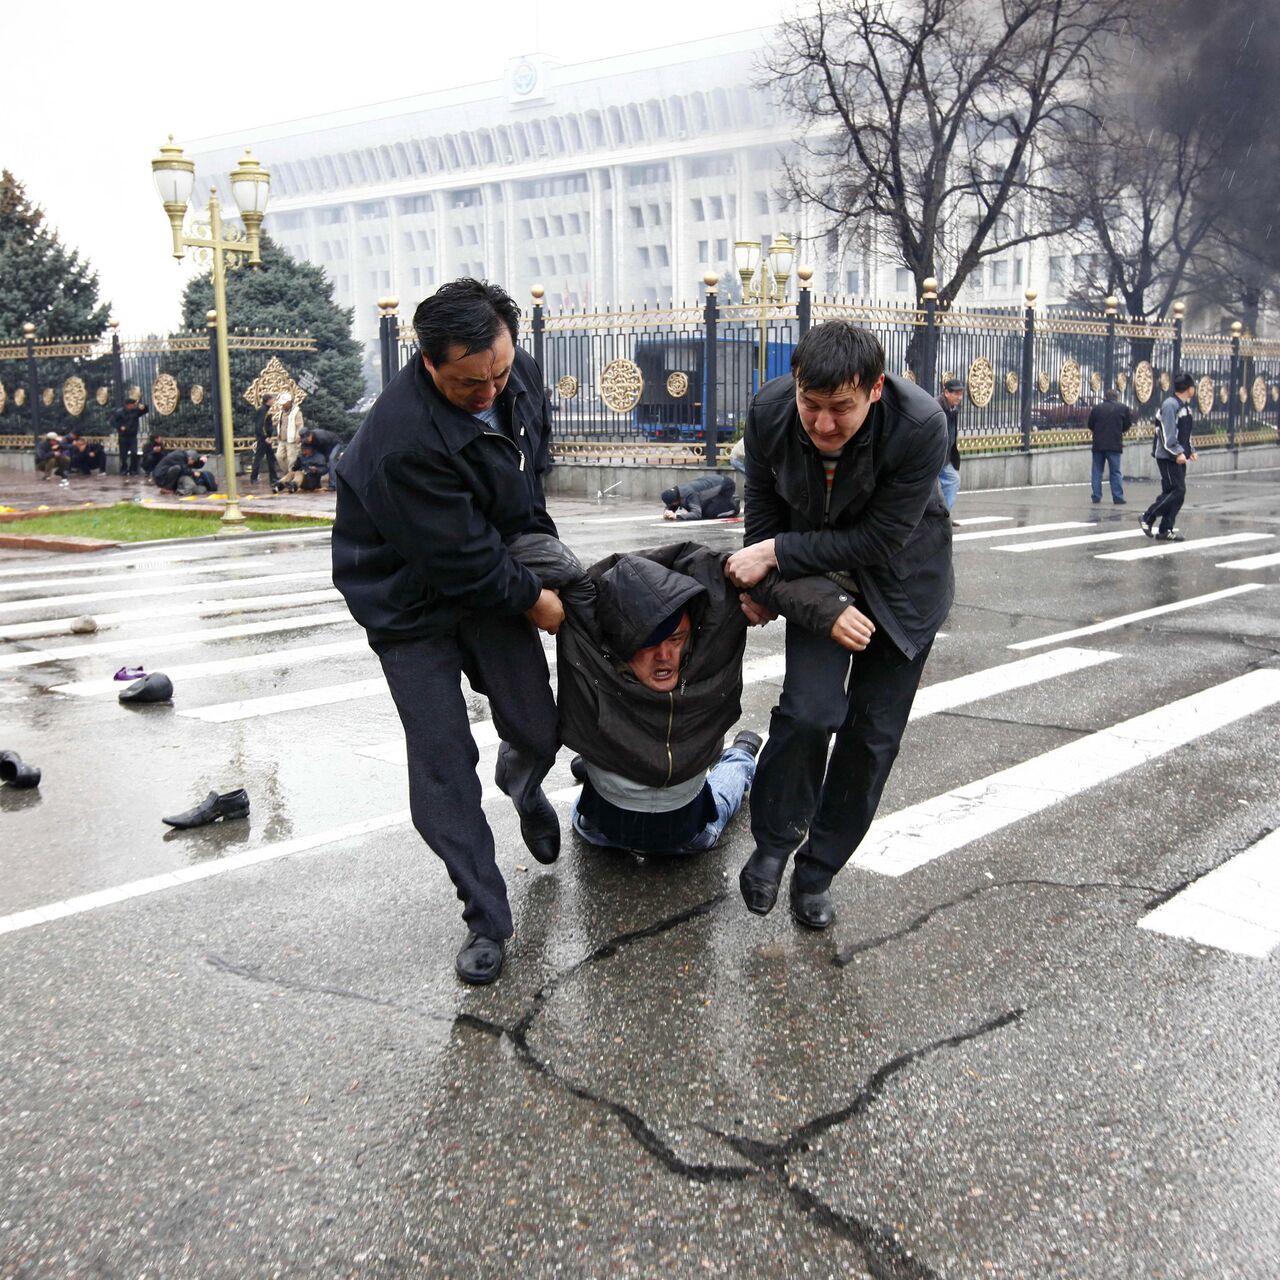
(1017, 271)
(660, 252)
(526, 228)
(722, 251)
(532, 265)
(644, 257)
(853, 280)
(903, 281)
(999, 275)
(473, 236)
(557, 224)
(655, 215)
(328, 217)
(717, 208)
(637, 216)
(566, 265)
(375, 209)
(698, 214)
(457, 237)
(762, 202)
(416, 276)
(704, 251)
(1058, 269)
(580, 261)
(575, 224)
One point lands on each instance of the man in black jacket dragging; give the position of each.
(445, 470)
(842, 471)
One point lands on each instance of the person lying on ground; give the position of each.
(702, 499)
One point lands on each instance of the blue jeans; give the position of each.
(729, 781)
(1112, 460)
(949, 479)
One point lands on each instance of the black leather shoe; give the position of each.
(233, 804)
(17, 774)
(480, 960)
(813, 910)
(758, 881)
(540, 829)
(748, 741)
(578, 767)
(157, 687)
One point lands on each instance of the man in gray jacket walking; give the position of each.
(1171, 449)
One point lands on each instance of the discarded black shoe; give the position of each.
(813, 910)
(157, 687)
(16, 774)
(234, 804)
(578, 767)
(748, 741)
(540, 830)
(480, 960)
(758, 881)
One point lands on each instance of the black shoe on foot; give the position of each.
(540, 830)
(813, 910)
(480, 960)
(1170, 535)
(1117, 502)
(1145, 525)
(749, 741)
(578, 767)
(758, 881)
(232, 804)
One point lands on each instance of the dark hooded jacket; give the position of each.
(703, 499)
(173, 466)
(887, 526)
(322, 441)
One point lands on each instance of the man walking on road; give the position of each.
(842, 479)
(1107, 424)
(447, 468)
(1171, 448)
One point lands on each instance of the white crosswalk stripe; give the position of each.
(1177, 548)
(250, 708)
(1252, 562)
(143, 575)
(1021, 530)
(1053, 544)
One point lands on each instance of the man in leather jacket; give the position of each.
(842, 471)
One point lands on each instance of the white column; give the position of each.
(681, 271)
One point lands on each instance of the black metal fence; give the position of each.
(677, 382)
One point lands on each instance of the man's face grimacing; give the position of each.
(952, 398)
(658, 666)
(473, 382)
(832, 418)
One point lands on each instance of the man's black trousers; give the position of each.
(1173, 492)
(129, 455)
(264, 450)
(864, 699)
(503, 659)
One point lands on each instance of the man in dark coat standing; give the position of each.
(264, 449)
(446, 469)
(125, 422)
(949, 477)
(1107, 424)
(842, 479)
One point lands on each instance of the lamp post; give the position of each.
(764, 280)
(175, 177)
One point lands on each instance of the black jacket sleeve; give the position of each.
(766, 511)
(813, 602)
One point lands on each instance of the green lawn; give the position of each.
(128, 522)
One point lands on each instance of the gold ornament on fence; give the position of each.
(273, 379)
(75, 395)
(1243, 393)
(4, 396)
(1223, 395)
(134, 393)
(947, 375)
(677, 385)
(19, 397)
(1043, 383)
(621, 385)
(1165, 384)
(102, 395)
(165, 394)
(1069, 382)
(909, 375)
(1011, 383)
(196, 394)
(1204, 394)
(47, 397)
(567, 387)
(1259, 393)
(1275, 394)
(1095, 382)
(1122, 381)
(981, 382)
(1144, 381)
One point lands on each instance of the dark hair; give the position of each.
(465, 311)
(1111, 394)
(1183, 382)
(838, 352)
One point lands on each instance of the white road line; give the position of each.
(145, 646)
(1125, 619)
(49, 602)
(277, 658)
(1174, 548)
(968, 520)
(1019, 530)
(1051, 544)
(946, 694)
(602, 520)
(97, 579)
(251, 708)
(1252, 562)
(1235, 907)
(924, 832)
(191, 609)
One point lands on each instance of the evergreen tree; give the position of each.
(284, 295)
(41, 280)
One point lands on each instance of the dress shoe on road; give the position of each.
(15, 773)
(157, 687)
(232, 804)
(749, 741)
(758, 881)
(540, 830)
(813, 910)
(480, 960)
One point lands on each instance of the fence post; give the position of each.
(804, 299)
(388, 337)
(33, 379)
(929, 362)
(709, 372)
(539, 326)
(215, 389)
(1233, 391)
(1025, 385)
(1179, 310)
(117, 364)
(1109, 360)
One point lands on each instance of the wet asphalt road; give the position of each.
(265, 1066)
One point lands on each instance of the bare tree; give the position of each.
(929, 120)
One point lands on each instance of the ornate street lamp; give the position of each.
(175, 178)
(764, 282)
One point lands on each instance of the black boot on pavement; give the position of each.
(480, 960)
(813, 910)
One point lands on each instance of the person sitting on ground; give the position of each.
(151, 455)
(51, 459)
(650, 681)
(182, 471)
(87, 458)
(310, 469)
(701, 499)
